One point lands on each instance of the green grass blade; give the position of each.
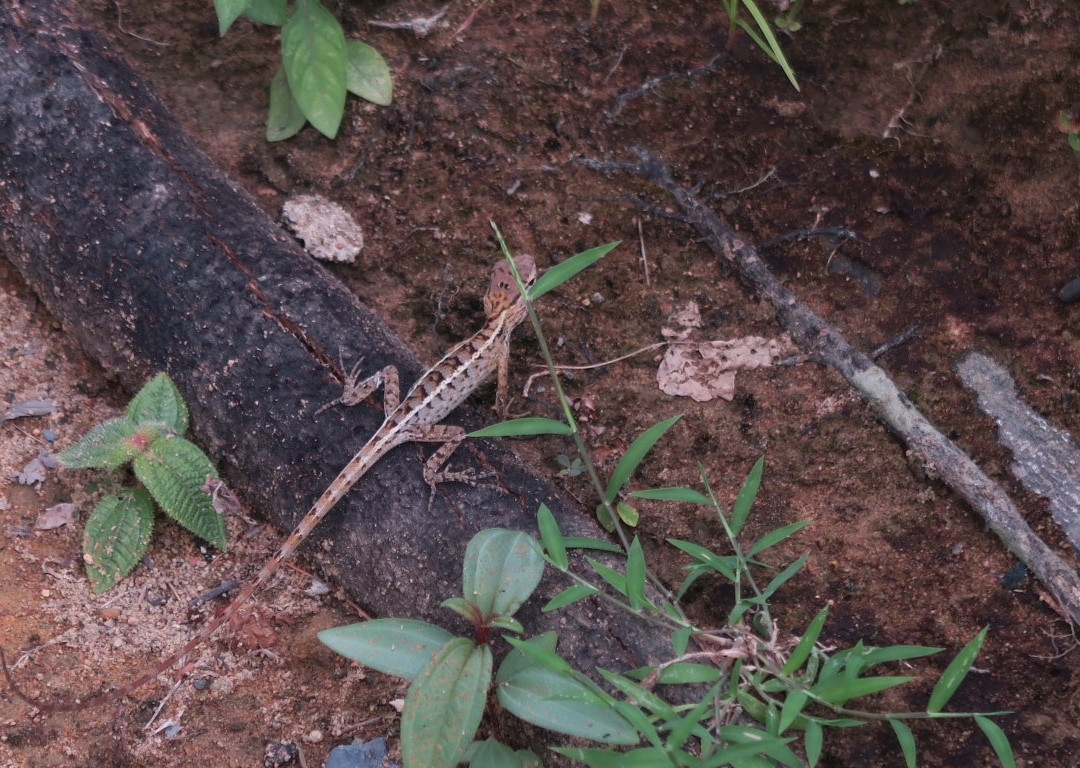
(770, 46)
(635, 575)
(955, 673)
(806, 643)
(551, 537)
(907, 741)
(998, 740)
(686, 495)
(563, 271)
(635, 454)
(530, 425)
(741, 508)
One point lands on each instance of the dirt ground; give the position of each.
(928, 129)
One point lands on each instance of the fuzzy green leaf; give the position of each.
(108, 445)
(313, 51)
(530, 425)
(565, 270)
(444, 705)
(501, 570)
(635, 454)
(270, 12)
(366, 73)
(955, 673)
(116, 537)
(284, 119)
(159, 402)
(174, 471)
(399, 647)
(227, 13)
(907, 741)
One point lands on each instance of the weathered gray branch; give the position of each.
(942, 458)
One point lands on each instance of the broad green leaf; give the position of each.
(284, 119)
(568, 596)
(839, 692)
(955, 673)
(313, 51)
(175, 471)
(724, 565)
(540, 651)
(558, 702)
(270, 12)
(464, 608)
(635, 575)
(565, 270)
(525, 654)
(998, 740)
(906, 739)
(366, 74)
(812, 741)
(741, 508)
(444, 705)
(116, 537)
(806, 643)
(399, 647)
(775, 537)
(227, 12)
(530, 425)
(635, 454)
(493, 754)
(501, 570)
(159, 402)
(108, 445)
(551, 538)
(608, 574)
(782, 578)
(686, 495)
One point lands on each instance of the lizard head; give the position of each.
(502, 294)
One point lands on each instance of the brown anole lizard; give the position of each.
(416, 418)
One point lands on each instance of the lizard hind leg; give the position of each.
(450, 437)
(357, 389)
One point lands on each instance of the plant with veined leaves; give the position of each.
(319, 66)
(753, 698)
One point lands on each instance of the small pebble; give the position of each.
(46, 593)
(1071, 292)
(313, 737)
(109, 613)
(49, 435)
(201, 683)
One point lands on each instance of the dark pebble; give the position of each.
(1071, 292)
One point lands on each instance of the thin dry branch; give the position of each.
(823, 343)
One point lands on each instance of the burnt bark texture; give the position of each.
(154, 261)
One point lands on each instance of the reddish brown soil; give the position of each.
(967, 212)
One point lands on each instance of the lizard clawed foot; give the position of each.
(352, 388)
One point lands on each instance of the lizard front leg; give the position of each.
(356, 389)
(450, 437)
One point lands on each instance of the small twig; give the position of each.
(798, 234)
(468, 20)
(644, 257)
(120, 26)
(420, 26)
(161, 706)
(615, 66)
(771, 172)
(653, 83)
(212, 594)
(909, 334)
(545, 372)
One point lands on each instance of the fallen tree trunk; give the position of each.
(821, 341)
(154, 261)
